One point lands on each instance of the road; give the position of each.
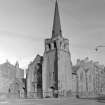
(61, 101)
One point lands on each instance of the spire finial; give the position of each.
(56, 23)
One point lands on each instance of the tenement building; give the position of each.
(56, 67)
(89, 78)
(11, 80)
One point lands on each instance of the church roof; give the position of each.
(56, 31)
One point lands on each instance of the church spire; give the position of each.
(56, 31)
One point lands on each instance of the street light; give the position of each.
(77, 82)
(97, 48)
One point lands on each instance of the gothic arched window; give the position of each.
(81, 76)
(55, 46)
(49, 46)
(64, 46)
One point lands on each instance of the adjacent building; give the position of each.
(9, 74)
(89, 78)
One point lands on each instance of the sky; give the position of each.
(25, 24)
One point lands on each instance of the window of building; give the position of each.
(60, 44)
(55, 46)
(49, 46)
(64, 46)
(81, 76)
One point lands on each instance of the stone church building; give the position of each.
(34, 78)
(54, 69)
(57, 66)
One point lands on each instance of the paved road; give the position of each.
(62, 101)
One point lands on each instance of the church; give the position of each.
(55, 66)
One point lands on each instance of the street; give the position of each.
(61, 101)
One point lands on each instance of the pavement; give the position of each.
(52, 101)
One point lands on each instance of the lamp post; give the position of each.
(77, 86)
(99, 76)
(77, 81)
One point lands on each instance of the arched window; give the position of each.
(55, 46)
(60, 44)
(53, 32)
(9, 90)
(81, 76)
(49, 46)
(64, 46)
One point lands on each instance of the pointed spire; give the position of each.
(56, 31)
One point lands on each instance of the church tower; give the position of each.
(56, 67)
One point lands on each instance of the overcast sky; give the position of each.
(24, 24)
